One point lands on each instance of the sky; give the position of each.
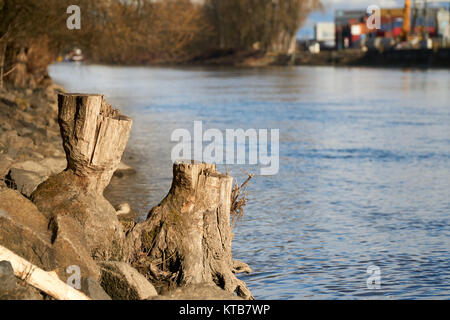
(307, 31)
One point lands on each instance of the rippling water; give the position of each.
(364, 169)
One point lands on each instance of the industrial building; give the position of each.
(419, 24)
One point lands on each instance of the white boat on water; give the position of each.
(75, 56)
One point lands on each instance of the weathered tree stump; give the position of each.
(94, 138)
(186, 239)
(19, 76)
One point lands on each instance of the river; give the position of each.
(364, 177)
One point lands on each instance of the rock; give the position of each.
(239, 267)
(7, 278)
(71, 248)
(123, 209)
(6, 126)
(24, 154)
(26, 176)
(64, 194)
(23, 103)
(12, 288)
(52, 90)
(23, 230)
(8, 103)
(93, 289)
(13, 143)
(24, 181)
(123, 170)
(32, 167)
(126, 216)
(51, 150)
(200, 291)
(45, 167)
(123, 282)
(54, 165)
(5, 164)
(7, 97)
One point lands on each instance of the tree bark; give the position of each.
(19, 76)
(47, 282)
(94, 138)
(186, 239)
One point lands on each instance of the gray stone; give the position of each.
(5, 164)
(12, 288)
(45, 167)
(126, 216)
(25, 181)
(123, 209)
(93, 289)
(64, 194)
(122, 282)
(12, 139)
(28, 175)
(71, 247)
(7, 278)
(202, 291)
(23, 229)
(123, 170)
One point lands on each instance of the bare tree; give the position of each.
(141, 31)
(272, 23)
(23, 22)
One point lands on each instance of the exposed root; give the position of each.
(239, 267)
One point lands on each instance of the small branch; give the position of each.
(8, 72)
(238, 201)
(6, 34)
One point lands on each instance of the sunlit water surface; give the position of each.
(364, 173)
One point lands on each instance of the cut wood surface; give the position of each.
(94, 136)
(47, 282)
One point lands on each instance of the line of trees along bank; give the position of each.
(33, 32)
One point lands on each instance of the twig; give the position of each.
(238, 201)
(11, 70)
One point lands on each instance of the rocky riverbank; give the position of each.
(53, 213)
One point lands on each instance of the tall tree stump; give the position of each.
(19, 76)
(186, 239)
(94, 138)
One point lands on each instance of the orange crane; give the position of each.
(406, 28)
